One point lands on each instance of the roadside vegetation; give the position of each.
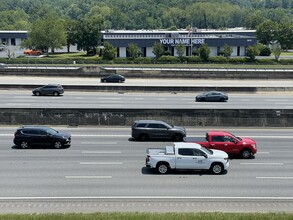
(152, 216)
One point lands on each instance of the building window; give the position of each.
(13, 42)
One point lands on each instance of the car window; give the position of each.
(217, 138)
(153, 125)
(185, 152)
(197, 152)
(43, 132)
(141, 125)
(33, 131)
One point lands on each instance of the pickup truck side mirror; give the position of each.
(205, 155)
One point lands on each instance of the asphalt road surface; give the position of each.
(104, 170)
(25, 99)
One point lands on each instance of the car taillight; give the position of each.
(227, 158)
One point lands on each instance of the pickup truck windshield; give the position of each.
(207, 151)
(237, 138)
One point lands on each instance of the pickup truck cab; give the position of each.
(225, 141)
(186, 156)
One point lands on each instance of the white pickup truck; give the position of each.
(187, 156)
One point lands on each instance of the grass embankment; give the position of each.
(152, 216)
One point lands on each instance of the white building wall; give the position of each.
(242, 51)
(234, 52)
(149, 52)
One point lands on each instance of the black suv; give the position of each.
(50, 89)
(152, 129)
(27, 136)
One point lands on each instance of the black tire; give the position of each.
(177, 137)
(143, 137)
(222, 100)
(163, 168)
(202, 99)
(57, 144)
(23, 144)
(246, 154)
(56, 93)
(120, 81)
(217, 168)
(37, 93)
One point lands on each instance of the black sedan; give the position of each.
(113, 78)
(212, 96)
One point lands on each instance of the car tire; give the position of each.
(56, 93)
(222, 100)
(37, 93)
(246, 154)
(202, 99)
(217, 168)
(120, 81)
(57, 145)
(143, 137)
(23, 144)
(177, 137)
(163, 168)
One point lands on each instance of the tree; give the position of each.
(87, 33)
(158, 50)
(276, 50)
(266, 32)
(70, 34)
(46, 33)
(180, 48)
(109, 52)
(227, 50)
(204, 52)
(285, 35)
(252, 52)
(133, 50)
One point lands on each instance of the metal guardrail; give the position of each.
(200, 69)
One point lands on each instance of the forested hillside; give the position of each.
(149, 14)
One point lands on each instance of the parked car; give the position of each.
(32, 52)
(212, 96)
(113, 78)
(50, 89)
(27, 136)
(153, 129)
(185, 156)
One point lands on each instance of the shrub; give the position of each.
(168, 59)
(193, 59)
(218, 59)
(265, 51)
(145, 60)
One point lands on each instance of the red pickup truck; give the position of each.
(225, 141)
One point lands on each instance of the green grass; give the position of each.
(151, 216)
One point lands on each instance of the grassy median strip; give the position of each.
(151, 216)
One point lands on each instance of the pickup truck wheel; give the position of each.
(246, 153)
(162, 168)
(177, 137)
(217, 168)
(143, 137)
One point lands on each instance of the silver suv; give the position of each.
(50, 89)
(152, 129)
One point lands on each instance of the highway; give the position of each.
(70, 99)
(104, 170)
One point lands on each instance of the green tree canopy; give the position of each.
(204, 52)
(87, 33)
(158, 50)
(133, 50)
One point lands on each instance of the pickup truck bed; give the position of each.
(194, 139)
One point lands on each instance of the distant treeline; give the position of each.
(150, 14)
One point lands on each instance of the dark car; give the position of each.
(152, 129)
(50, 89)
(3, 65)
(113, 78)
(27, 136)
(212, 96)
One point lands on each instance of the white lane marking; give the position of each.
(147, 197)
(100, 163)
(99, 143)
(245, 100)
(100, 135)
(138, 98)
(111, 105)
(275, 177)
(262, 163)
(101, 152)
(276, 100)
(263, 152)
(161, 99)
(18, 104)
(88, 177)
(110, 101)
(109, 98)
